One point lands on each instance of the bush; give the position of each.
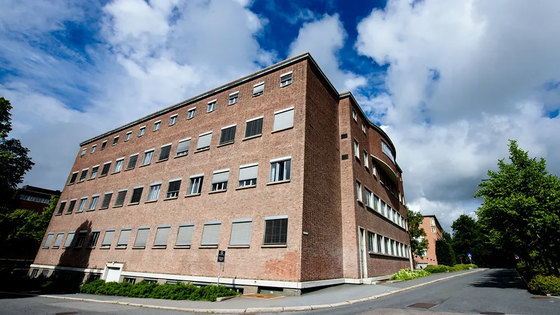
(407, 274)
(437, 268)
(545, 285)
(144, 289)
(444, 253)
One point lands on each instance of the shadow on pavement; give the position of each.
(6, 295)
(502, 279)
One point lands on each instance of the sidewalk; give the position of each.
(325, 298)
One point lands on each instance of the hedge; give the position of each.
(545, 285)
(179, 291)
(444, 268)
(407, 274)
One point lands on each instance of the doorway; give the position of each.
(363, 253)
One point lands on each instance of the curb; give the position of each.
(256, 309)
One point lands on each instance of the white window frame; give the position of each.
(93, 147)
(157, 124)
(93, 203)
(144, 159)
(128, 136)
(249, 182)
(116, 140)
(282, 111)
(173, 119)
(84, 151)
(211, 106)
(366, 159)
(222, 185)
(354, 115)
(103, 145)
(174, 194)
(257, 90)
(198, 185)
(185, 152)
(142, 131)
(359, 191)
(82, 204)
(287, 173)
(191, 113)
(117, 169)
(154, 191)
(363, 128)
(356, 149)
(286, 79)
(233, 98)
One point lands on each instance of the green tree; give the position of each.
(22, 230)
(14, 162)
(415, 233)
(520, 209)
(444, 253)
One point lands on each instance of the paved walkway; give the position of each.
(325, 298)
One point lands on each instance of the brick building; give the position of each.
(277, 168)
(433, 230)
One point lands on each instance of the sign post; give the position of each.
(470, 258)
(221, 259)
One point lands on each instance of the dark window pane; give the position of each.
(136, 195)
(120, 198)
(254, 128)
(106, 201)
(164, 153)
(276, 232)
(132, 162)
(106, 169)
(228, 135)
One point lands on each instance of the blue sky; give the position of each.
(450, 81)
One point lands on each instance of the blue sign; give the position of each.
(469, 255)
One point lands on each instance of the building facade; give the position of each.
(277, 168)
(433, 230)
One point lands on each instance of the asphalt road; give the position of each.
(497, 291)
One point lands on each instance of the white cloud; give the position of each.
(463, 78)
(324, 38)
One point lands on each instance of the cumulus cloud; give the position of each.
(463, 77)
(324, 38)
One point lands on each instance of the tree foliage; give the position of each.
(520, 211)
(14, 162)
(444, 253)
(415, 232)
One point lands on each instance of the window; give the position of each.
(81, 239)
(115, 140)
(356, 149)
(386, 246)
(34, 273)
(204, 141)
(142, 237)
(83, 175)
(276, 230)
(128, 135)
(286, 79)
(118, 165)
(354, 116)
(374, 169)
(173, 120)
(387, 151)
(433, 229)
(108, 238)
(394, 215)
(228, 134)
(358, 191)
(248, 175)
(71, 206)
(164, 152)
(93, 203)
(220, 179)
(141, 131)
(106, 168)
(383, 208)
(184, 235)
(123, 237)
(233, 98)
(393, 248)
(69, 239)
(94, 171)
(363, 128)
(379, 243)
(211, 234)
(368, 198)
(253, 127)
(280, 169)
(156, 125)
(371, 241)
(73, 178)
(153, 194)
(132, 161)
(366, 160)
(106, 200)
(183, 147)
(162, 235)
(93, 239)
(82, 204)
(432, 222)
(93, 147)
(84, 150)
(129, 280)
(61, 207)
(48, 241)
(211, 106)
(258, 89)
(147, 159)
(136, 195)
(241, 232)
(173, 189)
(103, 145)
(120, 198)
(283, 119)
(195, 185)
(190, 113)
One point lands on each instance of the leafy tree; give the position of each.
(446, 236)
(521, 209)
(22, 230)
(14, 162)
(444, 253)
(415, 232)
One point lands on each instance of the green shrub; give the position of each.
(91, 287)
(437, 268)
(545, 285)
(407, 274)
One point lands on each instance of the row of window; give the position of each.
(283, 119)
(35, 199)
(275, 234)
(258, 89)
(375, 203)
(280, 170)
(384, 146)
(379, 244)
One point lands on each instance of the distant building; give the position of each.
(279, 169)
(34, 198)
(433, 230)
